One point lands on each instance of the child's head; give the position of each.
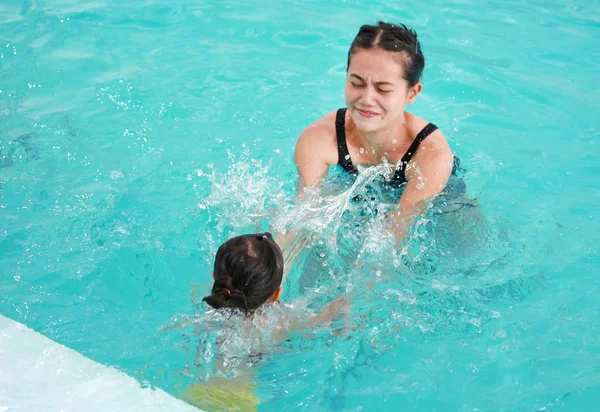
(248, 273)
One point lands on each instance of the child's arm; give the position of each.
(334, 309)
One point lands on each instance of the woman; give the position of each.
(385, 64)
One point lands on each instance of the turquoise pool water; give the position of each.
(136, 137)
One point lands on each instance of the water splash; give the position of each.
(236, 341)
(242, 200)
(322, 214)
(244, 196)
(435, 287)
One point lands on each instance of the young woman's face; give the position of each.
(376, 91)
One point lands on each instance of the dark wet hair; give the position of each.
(248, 270)
(393, 38)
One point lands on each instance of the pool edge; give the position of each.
(37, 372)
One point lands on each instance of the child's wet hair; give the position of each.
(248, 270)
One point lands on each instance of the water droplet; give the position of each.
(116, 174)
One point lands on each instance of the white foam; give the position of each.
(38, 374)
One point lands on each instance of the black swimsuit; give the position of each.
(344, 156)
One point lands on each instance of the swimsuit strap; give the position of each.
(345, 161)
(399, 177)
(340, 132)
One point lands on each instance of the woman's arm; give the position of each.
(312, 158)
(427, 176)
(315, 152)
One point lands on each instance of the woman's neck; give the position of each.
(384, 142)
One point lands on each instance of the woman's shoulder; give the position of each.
(324, 126)
(434, 146)
(417, 124)
(320, 135)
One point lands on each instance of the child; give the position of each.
(248, 273)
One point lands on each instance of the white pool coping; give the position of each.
(38, 374)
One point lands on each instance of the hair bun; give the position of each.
(220, 297)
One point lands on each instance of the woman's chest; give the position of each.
(362, 156)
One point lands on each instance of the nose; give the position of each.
(368, 96)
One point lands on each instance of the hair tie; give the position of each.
(228, 291)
